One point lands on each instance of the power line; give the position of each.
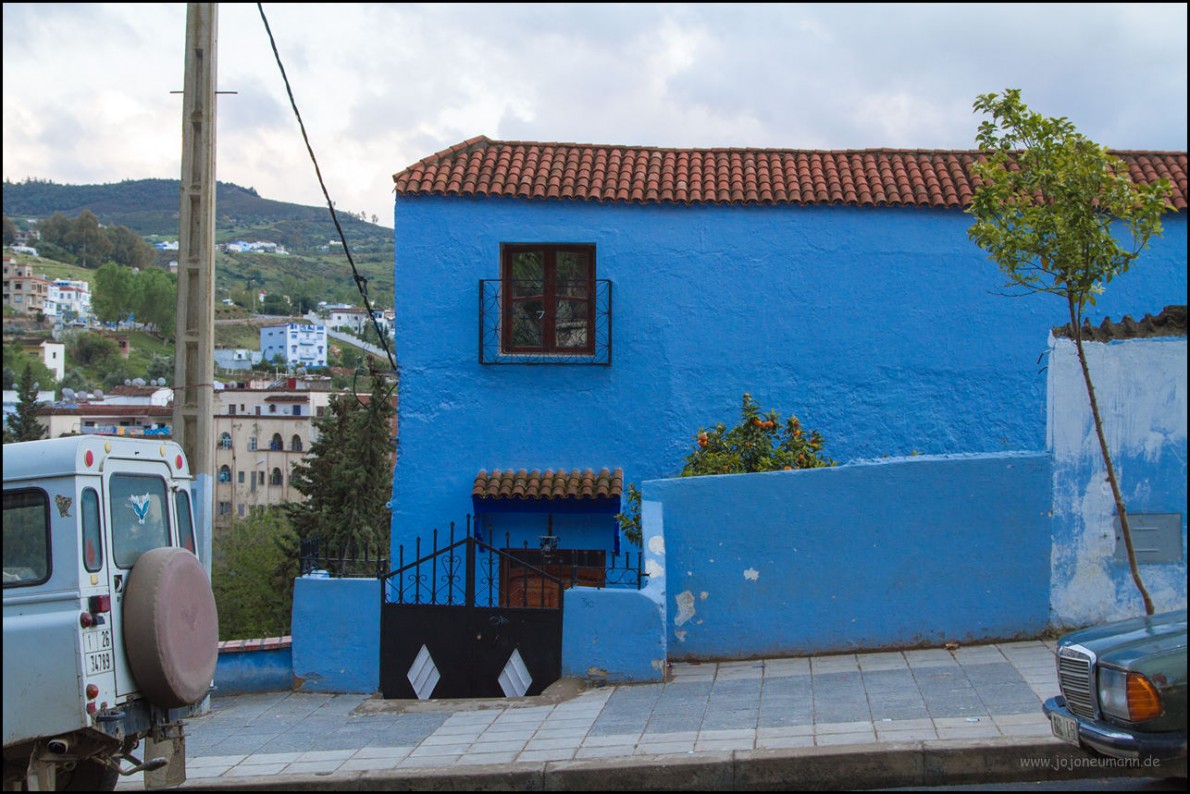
(361, 282)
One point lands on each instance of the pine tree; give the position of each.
(23, 425)
(347, 479)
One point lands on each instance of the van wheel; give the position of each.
(171, 628)
(89, 775)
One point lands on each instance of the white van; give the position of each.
(110, 627)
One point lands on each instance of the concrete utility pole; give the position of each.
(194, 366)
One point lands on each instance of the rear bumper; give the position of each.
(1118, 742)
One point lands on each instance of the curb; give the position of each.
(836, 768)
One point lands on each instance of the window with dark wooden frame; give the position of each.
(548, 301)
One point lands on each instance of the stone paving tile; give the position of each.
(312, 767)
(907, 735)
(881, 661)
(612, 740)
(861, 737)
(664, 748)
(252, 770)
(857, 726)
(559, 754)
(774, 668)
(834, 664)
(381, 753)
(783, 742)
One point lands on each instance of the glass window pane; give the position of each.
(570, 327)
(527, 273)
(140, 516)
(92, 538)
(26, 537)
(573, 273)
(526, 324)
(185, 520)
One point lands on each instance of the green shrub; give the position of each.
(254, 564)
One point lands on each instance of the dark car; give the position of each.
(1124, 691)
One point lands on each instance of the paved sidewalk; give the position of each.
(985, 694)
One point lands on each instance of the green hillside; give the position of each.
(150, 207)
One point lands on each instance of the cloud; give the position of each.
(380, 86)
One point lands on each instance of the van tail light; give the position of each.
(100, 603)
(86, 620)
(92, 691)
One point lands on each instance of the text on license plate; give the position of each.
(1064, 727)
(99, 662)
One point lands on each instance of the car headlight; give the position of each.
(1128, 696)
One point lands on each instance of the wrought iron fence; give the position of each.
(468, 572)
(501, 577)
(571, 326)
(345, 560)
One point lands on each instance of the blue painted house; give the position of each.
(569, 316)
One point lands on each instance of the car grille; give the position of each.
(1077, 681)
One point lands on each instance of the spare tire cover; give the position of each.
(171, 627)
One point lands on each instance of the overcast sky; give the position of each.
(87, 86)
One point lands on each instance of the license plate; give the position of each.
(1064, 727)
(99, 663)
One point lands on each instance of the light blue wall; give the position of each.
(876, 326)
(336, 635)
(254, 671)
(915, 551)
(1140, 386)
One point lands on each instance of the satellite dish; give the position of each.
(98, 394)
(68, 393)
(161, 381)
(127, 382)
(138, 381)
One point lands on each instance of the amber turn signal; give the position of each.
(1144, 703)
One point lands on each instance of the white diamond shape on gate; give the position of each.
(515, 678)
(423, 675)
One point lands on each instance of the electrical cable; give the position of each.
(360, 281)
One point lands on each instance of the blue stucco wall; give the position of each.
(1140, 386)
(336, 635)
(878, 327)
(613, 635)
(896, 554)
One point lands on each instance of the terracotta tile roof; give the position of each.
(647, 175)
(550, 484)
(1170, 322)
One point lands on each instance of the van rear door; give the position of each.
(139, 501)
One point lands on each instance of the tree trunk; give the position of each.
(1076, 326)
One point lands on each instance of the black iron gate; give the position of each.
(468, 620)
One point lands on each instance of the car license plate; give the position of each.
(99, 663)
(1064, 727)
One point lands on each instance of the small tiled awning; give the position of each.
(552, 485)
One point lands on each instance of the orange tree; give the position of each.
(761, 441)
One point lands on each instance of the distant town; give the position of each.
(267, 397)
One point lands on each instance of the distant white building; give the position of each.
(237, 358)
(53, 355)
(69, 298)
(260, 247)
(159, 396)
(350, 318)
(296, 345)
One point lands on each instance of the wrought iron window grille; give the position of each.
(513, 332)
